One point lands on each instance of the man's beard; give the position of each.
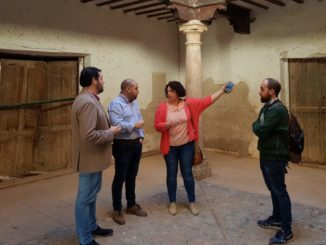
(132, 98)
(265, 99)
(99, 89)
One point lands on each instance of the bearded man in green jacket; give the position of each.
(272, 130)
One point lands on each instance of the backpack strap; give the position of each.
(280, 104)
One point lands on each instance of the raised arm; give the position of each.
(218, 94)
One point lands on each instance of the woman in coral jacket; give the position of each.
(178, 121)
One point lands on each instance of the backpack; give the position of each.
(296, 143)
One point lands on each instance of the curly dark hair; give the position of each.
(177, 87)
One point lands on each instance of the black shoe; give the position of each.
(281, 237)
(270, 222)
(93, 242)
(102, 232)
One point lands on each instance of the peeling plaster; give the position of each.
(227, 123)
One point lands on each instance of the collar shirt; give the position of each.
(271, 102)
(125, 114)
(95, 95)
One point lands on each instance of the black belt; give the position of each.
(127, 141)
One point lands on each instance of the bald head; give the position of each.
(126, 84)
(129, 88)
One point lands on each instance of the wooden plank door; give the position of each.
(36, 138)
(307, 91)
(20, 82)
(53, 145)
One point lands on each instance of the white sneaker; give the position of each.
(193, 208)
(173, 208)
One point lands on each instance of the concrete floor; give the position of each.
(230, 202)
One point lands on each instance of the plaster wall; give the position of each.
(122, 45)
(294, 31)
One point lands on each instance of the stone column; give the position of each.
(193, 30)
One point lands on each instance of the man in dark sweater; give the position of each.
(271, 128)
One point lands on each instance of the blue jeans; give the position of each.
(274, 176)
(85, 209)
(183, 154)
(127, 154)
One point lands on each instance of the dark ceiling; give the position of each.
(238, 12)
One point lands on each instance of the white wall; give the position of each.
(125, 45)
(122, 45)
(294, 31)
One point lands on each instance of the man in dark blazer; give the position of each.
(92, 137)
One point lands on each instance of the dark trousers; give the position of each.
(274, 176)
(127, 154)
(183, 154)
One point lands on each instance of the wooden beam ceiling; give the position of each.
(144, 7)
(277, 2)
(159, 14)
(151, 11)
(165, 17)
(160, 9)
(255, 4)
(108, 2)
(129, 4)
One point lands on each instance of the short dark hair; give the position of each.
(87, 75)
(177, 87)
(274, 84)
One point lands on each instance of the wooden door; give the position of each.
(20, 82)
(53, 144)
(307, 90)
(35, 138)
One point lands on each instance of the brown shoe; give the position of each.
(118, 217)
(136, 210)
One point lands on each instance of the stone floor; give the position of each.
(230, 202)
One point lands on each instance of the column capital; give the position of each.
(197, 9)
(193, 26)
